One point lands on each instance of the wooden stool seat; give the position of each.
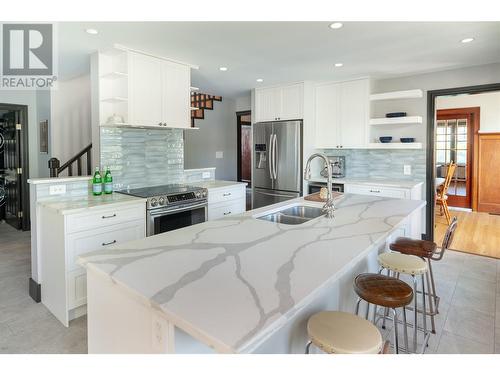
(403, 263)
(410, 246)
(343, 333)
(383, 290)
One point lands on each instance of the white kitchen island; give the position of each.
(239, 284)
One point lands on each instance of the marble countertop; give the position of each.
(230, 283)
(80, 204)
(217, 184)
(407, 184)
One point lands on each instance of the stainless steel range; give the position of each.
(171, 207)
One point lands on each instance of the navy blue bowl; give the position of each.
(385, 139)
(407, 140)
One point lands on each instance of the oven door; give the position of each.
(162, 220)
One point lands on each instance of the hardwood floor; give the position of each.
(477, 232)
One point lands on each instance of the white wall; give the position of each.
(244, 103)
(43, 113)
(489, 104)
(70, 115)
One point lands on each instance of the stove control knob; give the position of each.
(161, 201)
(198, 194)
(154, 202)
(204, 193)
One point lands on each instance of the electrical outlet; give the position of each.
(407, 170)
(57, 189)
(219, 154)
(205, 175)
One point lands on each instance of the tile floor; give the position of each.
(469, 319)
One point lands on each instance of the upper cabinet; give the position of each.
(279, 103)
(342, 113)
(137, 89)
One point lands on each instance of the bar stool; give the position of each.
(428, 251)
(336, 332)
(388, 292)
(413, 266)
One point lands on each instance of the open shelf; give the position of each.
(114, 75)
(396, 145)
(406, 94)
(114, 99)
(396, 120)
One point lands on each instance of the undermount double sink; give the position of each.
(293, 215)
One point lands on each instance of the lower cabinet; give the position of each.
(226, 201)
(384, 191)
(64, 237)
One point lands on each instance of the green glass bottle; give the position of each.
(97, 182)
(108, 182)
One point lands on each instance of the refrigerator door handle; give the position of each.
(275, 147)
(275, 195)
(270, 158)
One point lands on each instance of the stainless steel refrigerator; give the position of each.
(277, 167)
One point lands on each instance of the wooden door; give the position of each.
(267, 104)
(145, 90)
(176, 99)
(327, 116)
(455, 133)
(488, 178)
(292, 102)
(354, 103)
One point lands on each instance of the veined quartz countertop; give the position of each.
(74, 205)
(231, 283)
(406, 184)
(216, 184)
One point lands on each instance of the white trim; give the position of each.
(124, 48)
(405, 94)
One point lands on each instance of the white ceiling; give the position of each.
(282, 52)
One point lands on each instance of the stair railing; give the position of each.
(55, 167)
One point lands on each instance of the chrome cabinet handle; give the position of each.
(227, 213)
(108, 243)
(374, 191)
(108, 217)
(226, 194)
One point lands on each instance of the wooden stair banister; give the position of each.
(55, 167)
(201, 102)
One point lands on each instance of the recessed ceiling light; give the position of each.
(338, 65)
(467, 40)
(335, 25)
(259, 80)
(223, 68)
(92, 31)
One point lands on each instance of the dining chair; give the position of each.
(442, 194)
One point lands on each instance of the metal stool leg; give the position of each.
(405, 330)
(415, 314)
(424, 311)
(430, 300)
(436, 302)
(396, 339)
(308, 346)
(357, 306)
(386, 310)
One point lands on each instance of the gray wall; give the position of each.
(217, 132)
(43, 113)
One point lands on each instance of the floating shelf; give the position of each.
(406, 94)
(194, 108)
(114, 99)
(396, 145)
(396, 120)
(114, 75)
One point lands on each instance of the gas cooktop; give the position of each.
(169, 196)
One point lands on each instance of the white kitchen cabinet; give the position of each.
(146, 89)
(66, 236)
(176, 95)
(342, 114)
(279, 103)
(226, 201)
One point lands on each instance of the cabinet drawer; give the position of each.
(76, 288)
(104, 217)
(83, 242)
(225, 195)
(377, 191)
(216, 211)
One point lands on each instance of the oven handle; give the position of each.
(165, 211)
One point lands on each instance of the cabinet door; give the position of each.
(327, 116)
(354, 104)
(292, 98)
(176, 80)
(267, 104)
(145, 90)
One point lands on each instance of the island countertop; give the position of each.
(231, 283)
